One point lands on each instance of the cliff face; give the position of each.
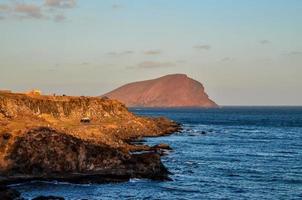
(176, 90)
(42, 137)
(60, 107)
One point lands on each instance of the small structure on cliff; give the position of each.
(85, 120)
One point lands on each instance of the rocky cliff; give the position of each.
(44, 138)
(176, 90)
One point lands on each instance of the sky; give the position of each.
(245, 52)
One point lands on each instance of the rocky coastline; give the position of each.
(45, 138)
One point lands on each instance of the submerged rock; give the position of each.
(162, 146)
(203, 132)
(7, 193)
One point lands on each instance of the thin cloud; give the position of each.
(154, 64)
(117, 6)
(4, 8)
(34, 10)
(226, 59)
(60, 3)
(264, 42)
(59, 18)
(85, 63)
(295, 53)
(113, 53)
(28, 10)
(152, 52)
(202, 47)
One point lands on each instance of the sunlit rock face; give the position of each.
(76, 139)
(176, 90)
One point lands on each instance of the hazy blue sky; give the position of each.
(245, 52)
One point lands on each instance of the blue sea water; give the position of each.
(246, 153)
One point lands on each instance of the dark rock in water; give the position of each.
(48, 198)
(138, 141)
(45, 154)
(147, 165)
(161, 149)
(7, 193)
(46, 151)
(162, 146)
(197, 133)
(163, 152)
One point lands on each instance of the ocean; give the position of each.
(224, 153)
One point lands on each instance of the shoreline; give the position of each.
(43, 138)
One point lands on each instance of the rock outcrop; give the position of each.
(7, 193)
(176, 90)
(43, 138)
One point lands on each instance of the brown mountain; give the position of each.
(175, 90)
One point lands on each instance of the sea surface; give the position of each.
(245, 153)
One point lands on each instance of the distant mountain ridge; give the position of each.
(174, 90)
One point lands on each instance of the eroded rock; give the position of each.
(42, 138)
(45, 154)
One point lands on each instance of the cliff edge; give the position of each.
(76, 139)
